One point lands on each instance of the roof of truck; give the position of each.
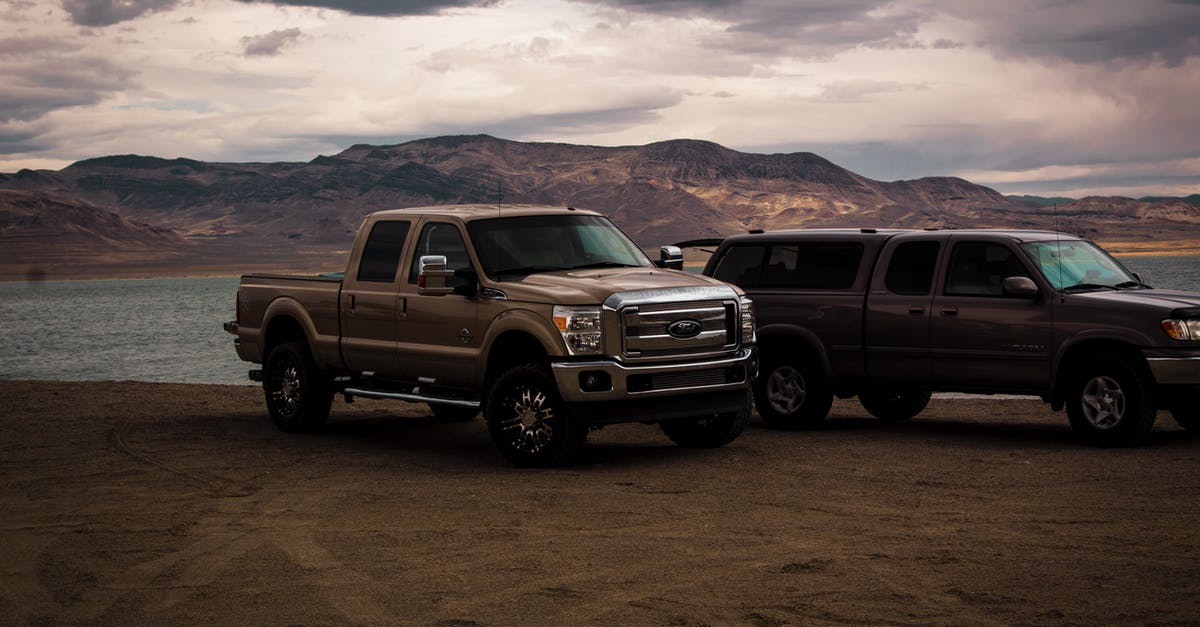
(480, 210)
(1021, 235)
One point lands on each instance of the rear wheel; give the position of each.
(792, 394)
(708, 432)
(894, 405)
(529, 422)
(1109, 402)
(298, 393)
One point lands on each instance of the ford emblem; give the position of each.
(684, 329)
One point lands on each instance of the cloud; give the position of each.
(269, 44)
(383, 8)
(107, 12)
(56, 78)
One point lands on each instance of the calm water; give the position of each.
(170, 329)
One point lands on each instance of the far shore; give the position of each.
(77, 269)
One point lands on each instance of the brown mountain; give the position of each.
(658, 193)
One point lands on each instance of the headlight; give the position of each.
(748, 336)
(581, 329)
(1182, 329)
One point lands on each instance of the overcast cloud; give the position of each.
(1067, 97)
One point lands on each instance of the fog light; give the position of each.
(595, 381)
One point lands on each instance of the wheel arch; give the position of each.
(776, 338)
(511, 348)
(1081, 351)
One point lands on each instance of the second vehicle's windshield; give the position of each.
(509, 247)
(1075, 264)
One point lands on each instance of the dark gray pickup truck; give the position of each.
(892, 315)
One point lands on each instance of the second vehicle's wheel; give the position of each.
(529, 422)
(1109, 402)
(1187, 417)
(792, 394)
(453, 413)
(298, 392)
(894, 405)
(707, 432)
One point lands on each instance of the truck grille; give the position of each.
(679, 328)
(683, 380)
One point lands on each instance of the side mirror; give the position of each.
(1020, 287)
(432, 275)
(670, 257)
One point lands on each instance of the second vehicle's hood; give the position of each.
(592, 287)
(1165, 300)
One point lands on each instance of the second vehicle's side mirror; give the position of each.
(1020, 287)
(670, 257)
(432, 275)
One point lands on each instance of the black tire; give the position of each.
(1109, 402)
(529, 422)
(792, 394)
(894, 405)
(709, 432)
(453, 413)
(1188, 418)
(298, 393)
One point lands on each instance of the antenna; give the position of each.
(1062, 294)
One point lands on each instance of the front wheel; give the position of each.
(298, 392)
(708, 432)
(792, 395)
(529, 422)
(1109, 402)
(894, 405)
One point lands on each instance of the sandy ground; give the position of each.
(135, 503)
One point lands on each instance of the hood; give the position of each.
(1164, 300)
(592, 287)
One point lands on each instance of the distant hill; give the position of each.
(661, 192)
(1193, 199)
(1042, 201)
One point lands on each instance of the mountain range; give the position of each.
(210, 215)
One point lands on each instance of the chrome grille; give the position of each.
(646, 328)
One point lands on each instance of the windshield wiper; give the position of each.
(1087, 286)
(524, 270)
(1131, 284)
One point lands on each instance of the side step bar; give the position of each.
(414, 398)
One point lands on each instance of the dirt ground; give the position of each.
(138, 503)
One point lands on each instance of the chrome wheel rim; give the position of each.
(530, 421)
(785, 390)
(285, 389)
(1103, 402)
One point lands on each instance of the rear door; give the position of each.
(982, 338)
(371, 305)
(897, 324)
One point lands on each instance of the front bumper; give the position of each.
(619, 382)
(1173, 367)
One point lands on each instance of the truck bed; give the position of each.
(313, 300)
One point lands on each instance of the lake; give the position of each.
(169, 330)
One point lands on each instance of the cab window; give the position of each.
(911, 268)
(441, 238)
(381, 253)
(979, 269)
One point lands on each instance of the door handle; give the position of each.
(916, 310)
(352, 302)
(950, 311)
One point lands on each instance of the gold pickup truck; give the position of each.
(549, 320)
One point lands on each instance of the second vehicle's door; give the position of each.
(982, 337)
(370, 306)
(897, 320)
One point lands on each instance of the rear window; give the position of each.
(381, 253)
(911, 268)
(803, 265)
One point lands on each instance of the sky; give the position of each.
(1046, 97)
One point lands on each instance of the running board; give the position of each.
(413, 398)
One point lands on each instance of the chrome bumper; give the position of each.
(631, 382)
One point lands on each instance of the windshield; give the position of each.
(1075, 264)
(511, 247)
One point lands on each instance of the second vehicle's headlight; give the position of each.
(748, 335)
(581, 329)
(1188, 329)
